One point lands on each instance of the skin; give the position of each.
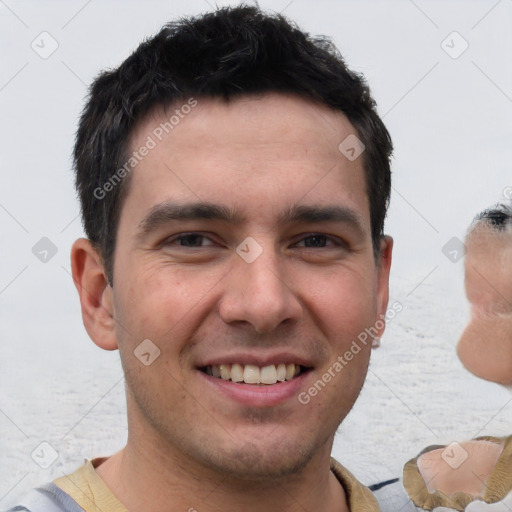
(190, 445)
(485, 346)
(469, 476)
(488, 281)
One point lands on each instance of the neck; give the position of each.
(143, 476)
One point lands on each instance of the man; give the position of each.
(234, 179)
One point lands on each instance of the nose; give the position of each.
(259, 294)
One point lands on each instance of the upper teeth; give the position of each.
(251, 374)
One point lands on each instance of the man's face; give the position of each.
(297, 292)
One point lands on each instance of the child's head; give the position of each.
(488, 264)
(485, 346)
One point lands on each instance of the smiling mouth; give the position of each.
(252, 374)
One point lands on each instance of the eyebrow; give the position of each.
(329, 213)
(165, 212)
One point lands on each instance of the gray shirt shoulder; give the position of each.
(48, 498)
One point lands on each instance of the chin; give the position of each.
(254, 464)
(265, 460)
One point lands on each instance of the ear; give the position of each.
(383, 268)
(96, 295)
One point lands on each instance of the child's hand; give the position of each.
(460, 476)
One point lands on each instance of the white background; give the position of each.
(450, 120)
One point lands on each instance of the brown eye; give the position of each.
(320, 244)
(319, 241)
(315, 241)
(190, 240)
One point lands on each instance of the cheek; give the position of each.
(344, 302)
(158, 299)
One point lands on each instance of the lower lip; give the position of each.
(255, 395)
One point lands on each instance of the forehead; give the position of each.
(275, 149)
